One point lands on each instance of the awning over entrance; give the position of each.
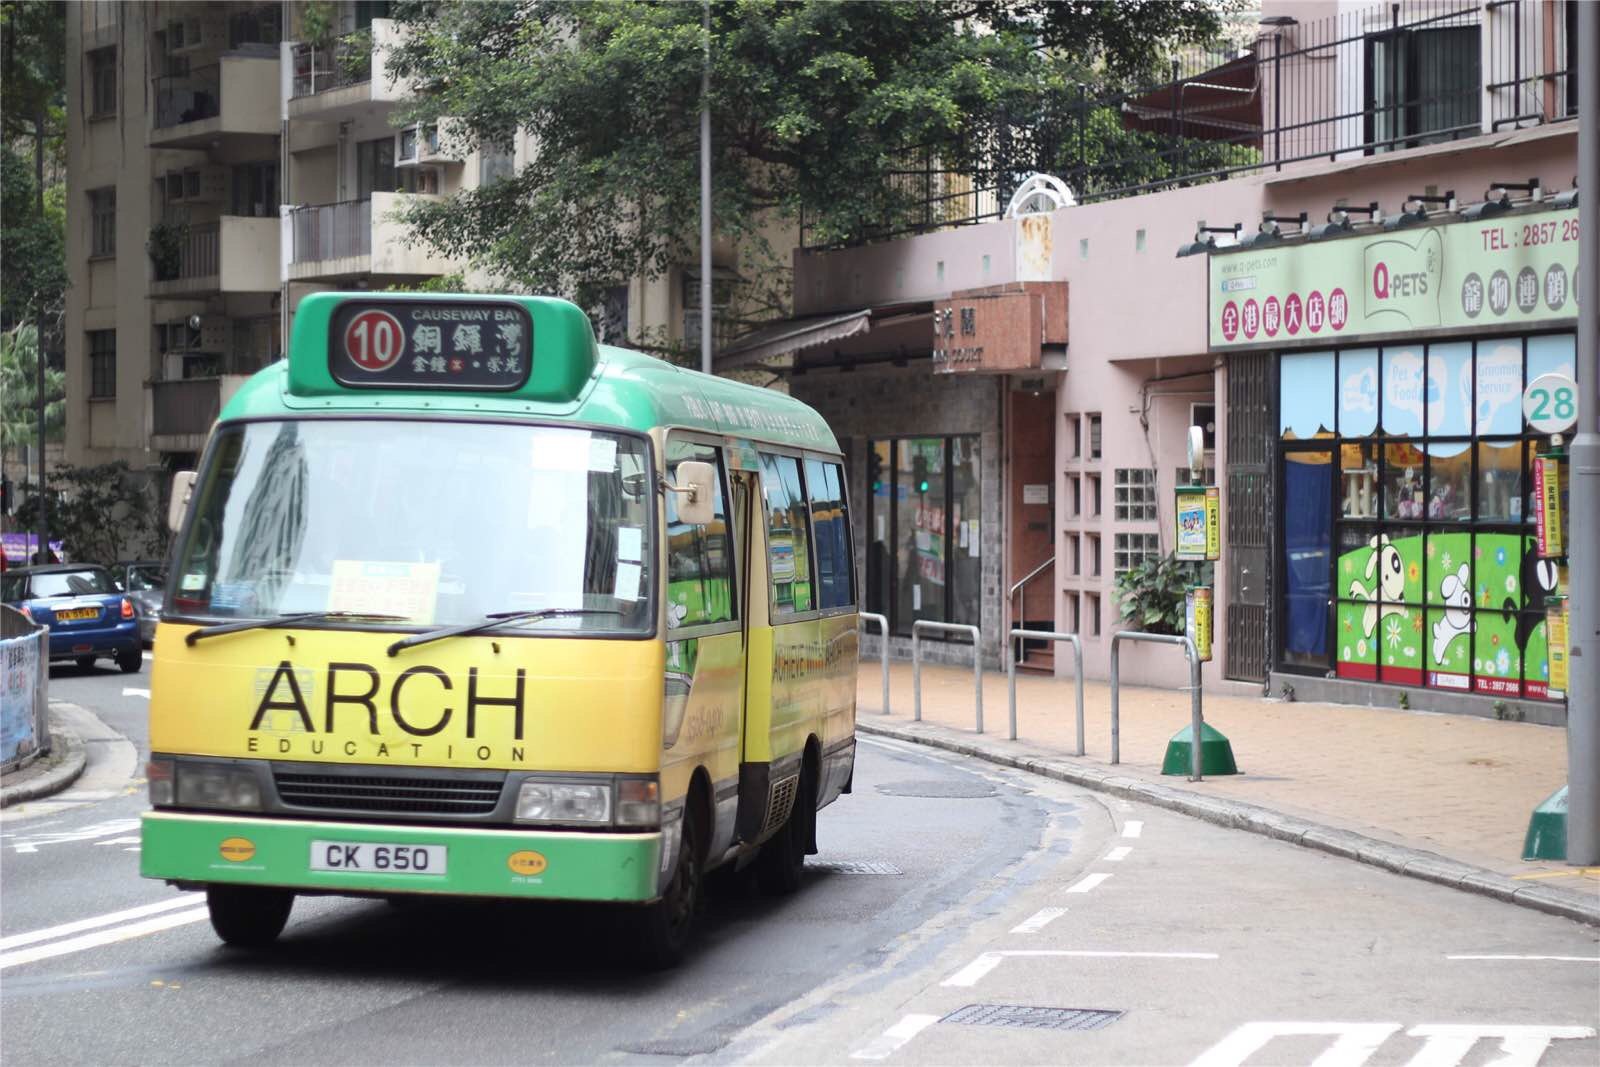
(813, 331)
(1223, 104)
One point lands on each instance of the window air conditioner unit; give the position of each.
(420, 144)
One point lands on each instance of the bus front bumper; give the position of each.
(550, 865)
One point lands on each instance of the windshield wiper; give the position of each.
(490, 621)
(285, 620)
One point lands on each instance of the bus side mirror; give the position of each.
(697, 481)
(182, 486)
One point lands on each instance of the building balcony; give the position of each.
(355, 238)
(235, 254)
(236, 95)
(179, 413)
(345, 79)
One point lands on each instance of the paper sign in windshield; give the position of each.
(381, 588)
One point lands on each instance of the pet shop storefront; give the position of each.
(1404, 541)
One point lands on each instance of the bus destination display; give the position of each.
(479, 345)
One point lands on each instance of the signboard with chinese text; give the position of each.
(998, 329)
(1512, 270)
(1555, 614)
(1199, 522)
(1197, 620)
(466, 344)
(1548, 518)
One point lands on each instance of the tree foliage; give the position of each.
(102, 513)
(19, 360)
(32, 109)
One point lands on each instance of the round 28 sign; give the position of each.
(1550, 403)
(374, 340)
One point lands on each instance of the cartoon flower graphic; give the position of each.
(1413, 572)
(1447, 561)
(1511, 583)
(1500, 556)
(1503, 661)
(1346, 654)
(1361, 648)
(1416, 622)
(1431, 547)
(1392, 630)
(1477, 551)
(1477, 665)
(1494, 639)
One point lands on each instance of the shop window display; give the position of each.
(1436, 580)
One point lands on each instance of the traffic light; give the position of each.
(919, 472)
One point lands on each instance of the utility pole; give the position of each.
(705, 197)
(1583, 692)
(39, 399)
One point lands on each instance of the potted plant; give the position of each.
(1151, 597)
(165, 246)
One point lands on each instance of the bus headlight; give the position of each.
(217, 785)
(561, 803)
(638, 802)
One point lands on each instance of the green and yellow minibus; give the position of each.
(462, 603)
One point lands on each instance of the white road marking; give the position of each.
(1132, 828)
(988, 961)
(119, 841)
(33, 842)
(891, 1039)
(1038, 920)
(1562, 959)
(104, 937)
(109, 919)
(136, 693)
(1520, 1046)
(1353, 1042)
(1087, 882)
(1118, 854)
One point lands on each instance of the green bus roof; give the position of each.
(569, 378)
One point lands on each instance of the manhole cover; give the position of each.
(939, 788)
(853, 867)
(1032, 1018)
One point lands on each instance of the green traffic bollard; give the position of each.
(1216, 753)
(1547, 830)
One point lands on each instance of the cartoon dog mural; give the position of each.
(1456, 589)
(1385, 574)
(1537, 582)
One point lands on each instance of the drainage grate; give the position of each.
(1032, 1018)
(853, 867)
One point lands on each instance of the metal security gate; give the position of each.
(1248, 522)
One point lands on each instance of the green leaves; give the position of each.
(1152, 592)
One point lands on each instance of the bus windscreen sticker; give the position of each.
(478, 345)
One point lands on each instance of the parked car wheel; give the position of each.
(85, 663)
(130, 660)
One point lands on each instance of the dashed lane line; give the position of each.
(1087, 882)
(1132, 828)
(882, 1046)
(1038, 920)
(77, 926)
(104, 937)
(988, 961)
(1557, 959)
(1118, 854)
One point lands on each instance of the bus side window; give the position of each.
(831, 526)
(788, 536)
(700, 581)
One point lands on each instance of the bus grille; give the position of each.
(375, 793)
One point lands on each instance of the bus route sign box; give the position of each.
(1198, 513)
(480, 345)
(1197, 620)
(1548, 519)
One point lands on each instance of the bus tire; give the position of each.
(781, 864)
(665, 925)
(248, 916)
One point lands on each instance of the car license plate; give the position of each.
(369, 858)
(74, 614)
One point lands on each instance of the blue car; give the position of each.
(88, 615)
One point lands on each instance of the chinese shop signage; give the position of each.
(469, 344)
(1000, 329)
(1199, 522)
(1509, 270)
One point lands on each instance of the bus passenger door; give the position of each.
(755, 760)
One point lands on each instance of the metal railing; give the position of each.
(1363, 82)
(1196, 719)
(190, 97)
(1021, 586)
(883, 649)
(186, 406)
(331, 231)
(199, 253)
(347, 61)
(923, 625)
(1011, 673)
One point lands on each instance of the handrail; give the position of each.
(1196, 720)
(883, 649)
(1011, 672)
(1031, 575)
(916, 664)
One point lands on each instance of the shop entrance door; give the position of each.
(1030, 533)
(1307, 620)
(1252, 424)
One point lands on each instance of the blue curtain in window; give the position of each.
(1308, 534)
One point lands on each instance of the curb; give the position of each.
(56, 777)
(1238, 815)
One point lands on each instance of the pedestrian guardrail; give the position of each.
(920, 627)
(24, 680)
(1196, 721)
(1011, 672)
(883, 650)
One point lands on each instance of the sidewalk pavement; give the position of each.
(48, 774)
(1447, 796)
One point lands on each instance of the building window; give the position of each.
(830, 527)
(1074, 613)
(255, 189)
(1074, 555)
(1094, 436)
(1134, 498)
(1415, 520)
(103, 222)
(102, 82)
(700, 586)
(1423, 85)
(1093, 600)
(614, 316)
(102, 364)
(257, 25)
(924, 553)
(494, 164)
(1094, 555)
(1094, 495)
(722, 328)
(1131, 549)
(375, 168)
(1182, 476)
(1074, 437)
(1074, 496)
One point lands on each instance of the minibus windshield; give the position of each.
(434, 523)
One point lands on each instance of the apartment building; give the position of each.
(220, 167)
(1342, 253)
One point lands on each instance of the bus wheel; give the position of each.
(665, 925)
(248, 916)
(783, 858)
